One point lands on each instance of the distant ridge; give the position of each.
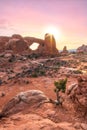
(70, 50)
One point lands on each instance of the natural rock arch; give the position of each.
(21, 45)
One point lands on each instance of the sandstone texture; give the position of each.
(17, 45)
(23, 100)
(21, 45)
(27, 86)
(78, 94)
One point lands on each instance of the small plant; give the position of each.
(78, 72)
(60, 86)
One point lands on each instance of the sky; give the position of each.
(33, 17)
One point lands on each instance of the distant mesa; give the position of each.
(21, 45)
(82, 49)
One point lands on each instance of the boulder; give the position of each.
(23, 100)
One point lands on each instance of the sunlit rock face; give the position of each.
(50, 44)
(45, 47)
(82, 49)
(21, 45)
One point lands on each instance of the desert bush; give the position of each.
(78, 72)
(60, 86)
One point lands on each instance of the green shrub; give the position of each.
(60, 86)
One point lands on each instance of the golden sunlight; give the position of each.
(54, 31)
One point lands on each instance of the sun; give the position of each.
(54, 31)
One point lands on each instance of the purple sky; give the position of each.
(31, 17)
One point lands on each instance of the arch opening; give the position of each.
(34, 46)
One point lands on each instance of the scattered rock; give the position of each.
(2, 94)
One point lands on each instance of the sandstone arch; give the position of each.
(46, 46)
(21, 45)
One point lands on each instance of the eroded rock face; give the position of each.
(19, 45)
(50, 44)
(46, 47)
(78, 94)
(24, 100)
(82, 49)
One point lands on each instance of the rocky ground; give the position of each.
(21, 73)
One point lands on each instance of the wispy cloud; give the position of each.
(5, 24)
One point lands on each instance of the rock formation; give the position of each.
(65, 51)
(22, 100)
(50, 45)
(82, 49)
(20, 45)
(46, 47)
(78, 94)
(16, 36)
(16, 45)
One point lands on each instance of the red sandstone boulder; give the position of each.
(24, 100)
